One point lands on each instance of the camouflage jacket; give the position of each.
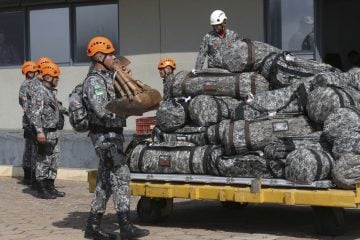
(167, 84)
(26, 94)
(44, 110)
(213, 46)
(98, 91)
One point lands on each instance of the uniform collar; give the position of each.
(101, 72)
(168, 77)
(226, 32)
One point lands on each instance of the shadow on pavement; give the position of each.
(289, 221)
(261, 219)
(77, 220)
(286, 221)
(30, 191)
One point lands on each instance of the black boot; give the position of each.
(43, 191)
(33, 180)
(93, 230)
(53, 190)
(127, 229)
(27, 176)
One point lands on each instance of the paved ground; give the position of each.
(23, 216)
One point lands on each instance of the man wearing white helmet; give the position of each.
(215, 41)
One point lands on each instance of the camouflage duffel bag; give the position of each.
(281, 147)
(304, 166)
(338, 79)
(246, 55)
(280, 68)
(284, 69)
(192, 134)
(340, 121)
(241, 136)
(207, 110)
(346, 172)
(284, 100)
(172, 114)
(349, 142)
(322, 101)
(218, 82)
(249, 165)
(177, 158)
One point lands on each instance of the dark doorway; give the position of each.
(337, 29)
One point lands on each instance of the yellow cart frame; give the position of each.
(156, 201)
(247, 194)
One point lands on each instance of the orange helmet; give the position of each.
(167, 62)
(29, 66)
(99, 44)
(42, 61)
(50, 69)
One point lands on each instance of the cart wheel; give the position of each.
(154, 210)
(234, 205)
(329, 220)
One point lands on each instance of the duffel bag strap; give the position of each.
(183, 84)
(251, 55)
(253, 83)
(231, 137)
(247, 135)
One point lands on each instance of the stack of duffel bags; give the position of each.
(277, 117)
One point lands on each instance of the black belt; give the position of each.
(102, 129)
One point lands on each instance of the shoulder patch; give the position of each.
(98, 89)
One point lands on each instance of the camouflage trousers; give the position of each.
(48, 157)
(30, 154)
(113, 174)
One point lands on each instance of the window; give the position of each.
(60, 31)
(88, 26)
(290, 25)
(12, 38)
(50, 34)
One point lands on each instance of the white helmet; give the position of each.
(217, 17)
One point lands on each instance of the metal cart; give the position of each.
(157, 192)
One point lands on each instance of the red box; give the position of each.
(145, 125)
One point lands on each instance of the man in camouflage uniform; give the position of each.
(30, 70)
(44, 116)
(166, 69)
(214, 42)
(106, 133)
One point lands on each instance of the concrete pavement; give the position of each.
(23, 216)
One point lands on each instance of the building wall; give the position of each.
(11, 79)
(149, 30)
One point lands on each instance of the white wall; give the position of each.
(149, 30)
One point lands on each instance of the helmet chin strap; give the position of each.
(222, 28)
(103, 61)
(50, 83)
